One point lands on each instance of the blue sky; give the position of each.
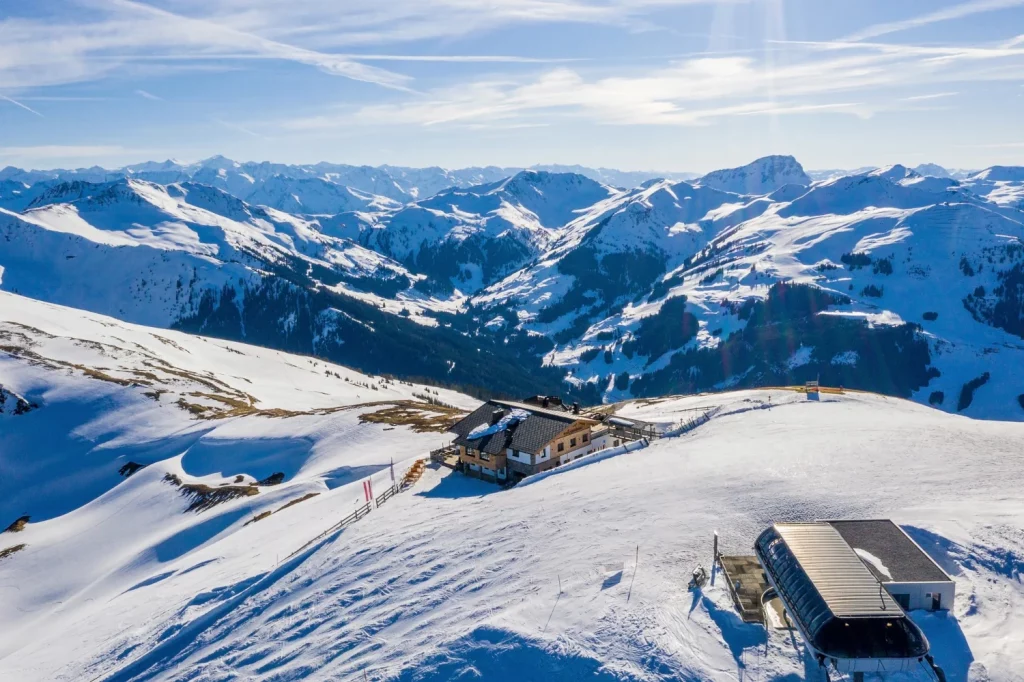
(684, 85)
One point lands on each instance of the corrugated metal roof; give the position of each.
(841, 578)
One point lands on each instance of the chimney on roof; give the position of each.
(546, 401)
(575, 408)
(496, 416)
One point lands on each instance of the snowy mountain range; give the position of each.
(533, 281)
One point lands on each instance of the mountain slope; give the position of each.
(131, 427)
(577, 575)
(908, 287)
(470, 238)
(906, 283)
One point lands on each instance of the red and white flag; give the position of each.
(368, 489)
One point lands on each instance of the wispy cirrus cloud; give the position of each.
(16, 103)
(960, 11)
(56, 151)
(238, 128)
(148, 95)
(848, 78)
(102, 38)
(934, 95)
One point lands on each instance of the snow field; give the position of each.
(460, 578)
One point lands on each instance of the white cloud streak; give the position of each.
(238, 128)
(934, 95)
(698, 91)
(115, 36)
(148, 95)
(960, 11)
(48, 152)
(19, 104)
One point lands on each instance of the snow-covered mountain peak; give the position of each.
(219, 162)
(759, 177)
(933, 170)
(895, 172)
(1001, 174)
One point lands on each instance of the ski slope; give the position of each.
(580, 575)
(209, 412)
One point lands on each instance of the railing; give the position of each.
(687, 426)
(441, 454)
(359, 513)
(387, 495)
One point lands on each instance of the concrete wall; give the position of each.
(920, 594)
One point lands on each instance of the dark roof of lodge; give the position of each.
(529, 435)
(840, 607)
(905, 561)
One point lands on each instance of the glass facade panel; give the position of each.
(883, 637)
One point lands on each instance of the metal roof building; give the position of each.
(844, 613)
(912, 577)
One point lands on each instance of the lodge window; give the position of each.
(586, 437)
(485, 457)
(572, 442)
(561, 447)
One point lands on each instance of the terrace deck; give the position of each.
(746, 584)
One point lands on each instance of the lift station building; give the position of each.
(846, 586)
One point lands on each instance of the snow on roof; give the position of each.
(513, 417)
(899, 556)
(621, 421)
(529, 434)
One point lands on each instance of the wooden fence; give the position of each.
(387, 495)
(358, 514)
(441, 454)
(689, 425)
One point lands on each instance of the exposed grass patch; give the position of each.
(258, 517)
(193, 408)
(102, 376)
(291, 503)
(18, 525)
(420, 417)
(4, 553)
(203, 497)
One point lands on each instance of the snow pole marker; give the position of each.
(635, 565)
(714, 560)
